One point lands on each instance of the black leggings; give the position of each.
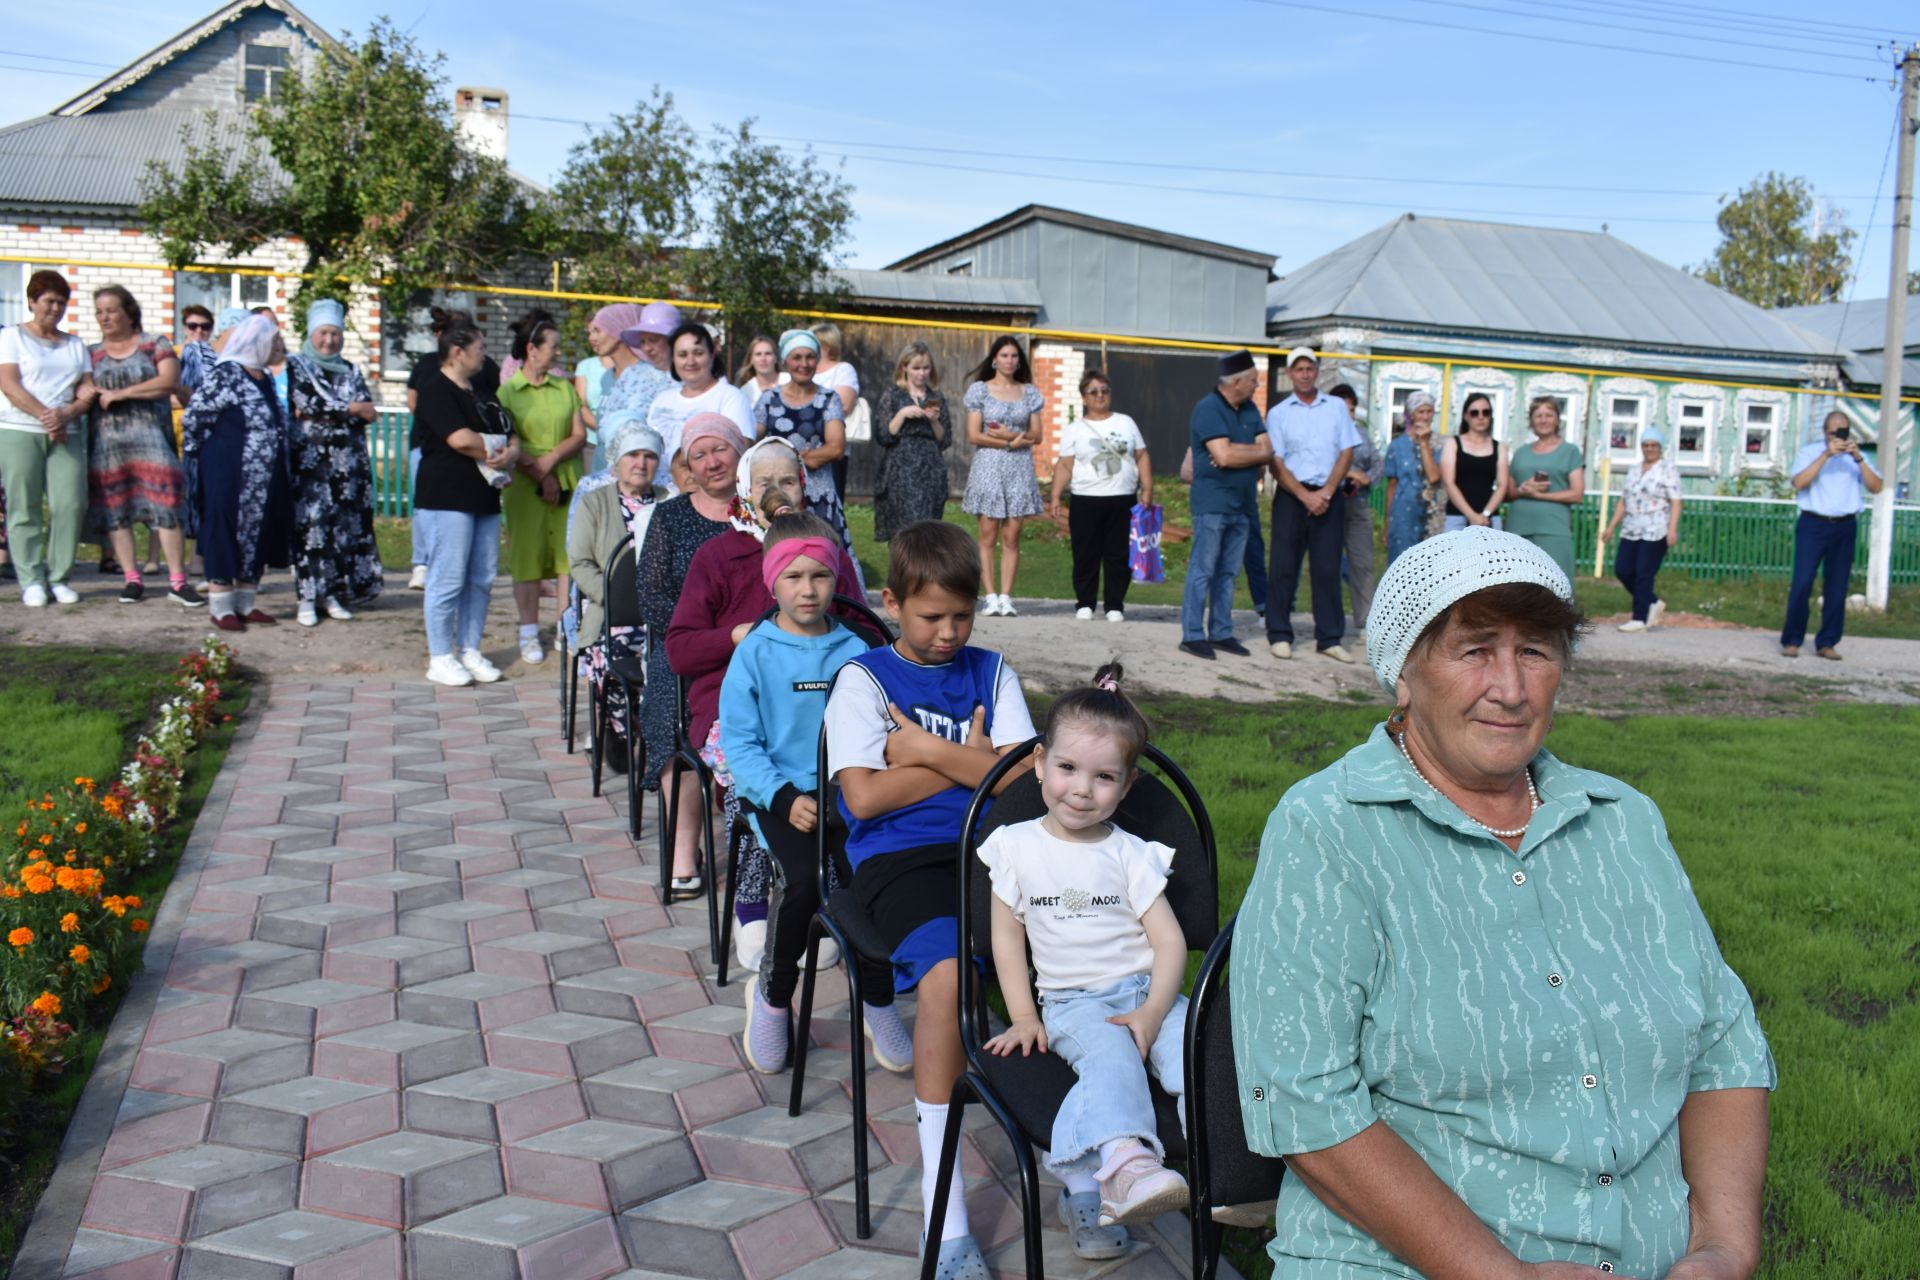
(793, 896)
(1101, 530)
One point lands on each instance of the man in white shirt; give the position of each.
(1313, 442)
(1828, 478)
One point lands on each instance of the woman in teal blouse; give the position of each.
(1475, 1003)
(1546, 482)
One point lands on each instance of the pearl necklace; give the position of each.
(1533, 796)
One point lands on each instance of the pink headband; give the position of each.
(776, 558)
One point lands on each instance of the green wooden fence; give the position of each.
(1720, 538)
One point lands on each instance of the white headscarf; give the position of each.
(251, 343)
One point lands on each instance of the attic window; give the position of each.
(266, 65)
(964, 267)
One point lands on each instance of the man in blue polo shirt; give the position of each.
(1229, 448)
(1828, 477)
(1313, 443)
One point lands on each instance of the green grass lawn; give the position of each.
(1799, 836)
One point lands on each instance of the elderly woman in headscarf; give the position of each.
(1502, 1040)
(639, 352)
(601, 517)
(712, 446)
(1416, 499)
(236, 431)
(335, 558)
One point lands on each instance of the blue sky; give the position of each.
(1269, 124)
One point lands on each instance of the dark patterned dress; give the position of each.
(133, 473)
(911, 484)
(243, 491)
(676, 532)
(805, 429)
(334, 553)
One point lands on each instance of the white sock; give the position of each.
(529, 631)
(1115, 1152)
(932, 1119)
(243, 598)
(1077, 1181)
(219, 604)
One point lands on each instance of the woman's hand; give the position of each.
(1673, 539)
(550, 490)
(1474, 517)
(1535, 489)
(1606, 534)
(1055, 510)
(106, 400)
(1709, 1263)
(507, 457)
(1028, 1035)
(739, 633)
(52, 419)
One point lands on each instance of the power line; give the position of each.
(1671, 35)
(1866, 236)
(1655, 11)
(52, 71)
(48, 57)
(1345, 12)
(1752, 15)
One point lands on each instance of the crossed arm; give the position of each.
(922, 764)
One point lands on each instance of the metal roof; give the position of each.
(921, 289)
(1860, 325)
(1539, 282)
(98, 161)
(1086, 222)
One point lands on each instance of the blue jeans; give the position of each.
(1219, 543)
(1637, 564)
(1825, 547)
(459, 577)
(1111, 1099)
(422, 538)
(1255, 561)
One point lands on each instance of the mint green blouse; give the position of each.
(1529, 1023)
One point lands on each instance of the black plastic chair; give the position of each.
(861, 619)
(620, 609)
(686, 760)
(1024, 1093)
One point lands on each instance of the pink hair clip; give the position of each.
(1108, 683)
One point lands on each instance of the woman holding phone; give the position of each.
(1473, 467)
(1555, 481)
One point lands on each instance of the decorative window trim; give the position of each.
(1501, 386)
(1620, 389)
(16, 274)
(1771, 459)
(1402, 375)
(1714, 400)
(1573, 390)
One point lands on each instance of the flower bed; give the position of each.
(70, 923)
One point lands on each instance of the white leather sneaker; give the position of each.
(1281, 649)
(306, 615)
(65, 594)
(476, 663)
(444, 668)
(34, 596)
(337, 611)
(1083, 615)
(418, 582)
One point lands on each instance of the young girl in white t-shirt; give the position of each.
(1090, 901)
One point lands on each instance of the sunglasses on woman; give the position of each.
(198, 326)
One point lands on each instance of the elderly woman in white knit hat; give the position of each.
(1475, 1004)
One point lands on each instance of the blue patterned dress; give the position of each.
(1408, 519)
(334, 552)
(236, 431)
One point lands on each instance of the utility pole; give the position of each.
(1893, 353)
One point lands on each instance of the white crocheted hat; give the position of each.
(1431, 575)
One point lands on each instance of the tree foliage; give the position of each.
(1772, 252)
(626, 201)
(360, 160)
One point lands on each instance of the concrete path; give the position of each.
(413, 1008)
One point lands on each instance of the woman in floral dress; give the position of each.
(335, 559)
(808, 416)
(1416, 500)
(1003, 412)
(913, 425)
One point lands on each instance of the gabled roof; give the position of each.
(1086, 222)
(168, 50)
(922, 289)
(97, 163)
(1537, 282)
(1860, 325)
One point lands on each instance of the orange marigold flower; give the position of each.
(83, 782)
(20, 830)
(131, 901)
(138, 926)
(103, 984)
(46, 806)
(21, 937)
(80, 828)
(91, 880)
(67, 878)
(47, 838)
(47, 1003)
(70, 923)
(8, 891)
(80, 953)
(116, 905)
(39, 884)
(112, 804)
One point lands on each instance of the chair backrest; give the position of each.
(1166, 808)
(1222, 1170)
(862, 620)
(872, 628)
(622, 598)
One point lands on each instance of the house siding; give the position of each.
(210, 73)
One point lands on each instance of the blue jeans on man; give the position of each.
(466, 557)
(1825, 546)
(1321, 540)
(1213, 566)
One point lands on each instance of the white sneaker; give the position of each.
(750, 944)
(1083, 615)
(1006, 608)
(1114, 615)
(337, 611)
(1337, 653)
(1281, 649)
(418, 582)
(34, 596)
(1632, 624)
(1656, 613)
(444, 668)
(531, 652)
(991, 607)
(476, 663)
(307, 615)
(65, 594)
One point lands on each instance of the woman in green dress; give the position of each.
(1545, 483)
(548, 425)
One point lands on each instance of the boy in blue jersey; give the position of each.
(912, 728)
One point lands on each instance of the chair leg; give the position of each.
(943, 1180)
(709, 794)
(857, 1045)
(570, 679)
(598, 712)
(803, 1032)
(1029, 1178)
(669, 825)
(726, 916)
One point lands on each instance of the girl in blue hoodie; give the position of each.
(772, 701)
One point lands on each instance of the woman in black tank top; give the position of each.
(1473, 478)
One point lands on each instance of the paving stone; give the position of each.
(153, 1135)
(494, 1104)
(262, 893)
(453, 921)
(709, 1019)
(397, 890)
(243, 966)
(181, 1012)
(601, 918)
(633, 884)
(643, 1092)
(517, 1238)
(529, 889)
(894, 1195)
(575, 857)
(105, 1255)
(773, 1127)
(243, 1058)
(396, 836)
(611, 992)
(277, 837)
(325, 924)
(191, 1193)
(859, 1264)
(458, 860)
(481, 1001)
(395, 1055)
(284, 1246)
(596, 1162)
(329, 864)
(317, 1008)
(771, 1245)
(138, 1104)
(718, 1205)
(1056, 1253)
(568, 1044)
(306, 1117)
(404, 1179)
(397, 961)
(690, 1251)
(544, 956)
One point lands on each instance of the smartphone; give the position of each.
(1842, 433)
(1541, 477)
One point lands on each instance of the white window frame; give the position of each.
(1497, 385)
(239, 285)
(1571, 393)
(13, 303)
(1710, 402)
(1610, 393)
(1776, 404)
(270, 75)
(1393, 403)
(964, 267)
(396, 363)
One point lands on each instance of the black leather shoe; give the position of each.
(1233, 647)
(1198, 648)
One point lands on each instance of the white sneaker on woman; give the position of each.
(418, 581)
(1114, 615)
(1631, 625)
(531, 652)
(1657, 612)
(307, 615)
(34, 596)
(1083, 615)
(1006, 607)
(337, 611)
(476, 663)
(444, 668)
(990, 605)
(65, 594)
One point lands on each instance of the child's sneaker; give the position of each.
(768, 1036)
(749, 939)
(959, 1259)
(1140, 1189)
(892, 1042)
(1080, 1215)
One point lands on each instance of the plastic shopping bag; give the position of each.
(1143, 555)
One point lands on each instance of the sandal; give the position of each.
(684, 887)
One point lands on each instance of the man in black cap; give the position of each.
(1230, 446)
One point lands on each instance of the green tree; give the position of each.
(1772, 251)
(626, 203)
(361, 161)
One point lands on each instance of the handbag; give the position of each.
(1143, 553)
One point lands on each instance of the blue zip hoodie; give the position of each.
(772, 702)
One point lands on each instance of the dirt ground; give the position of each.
(1691, 665)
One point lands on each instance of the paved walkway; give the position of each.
(413, 1008)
